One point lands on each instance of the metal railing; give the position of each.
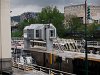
(50, 70)
(95, 43)
(17, 38)
(89, 43)
(45, 70)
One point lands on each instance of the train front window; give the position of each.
(52, 33)
(37, 33)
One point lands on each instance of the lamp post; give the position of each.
(86, 51)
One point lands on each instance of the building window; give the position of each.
(52, 33)
(25, 31)
(37, 34)
(95, 21)
(29, 35)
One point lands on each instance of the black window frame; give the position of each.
(37, 33)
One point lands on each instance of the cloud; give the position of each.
(30, 8)
(42, 3)
(20, 6)
(18, 3)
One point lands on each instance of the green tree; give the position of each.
(19, 31)
(22, 25)
(92, 29)
(52, 15)
(73, 23)
(16, 34)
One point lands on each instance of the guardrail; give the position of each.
(46, 70)
(17, 38)
(89, 43)
(95, 43)
(50, 70)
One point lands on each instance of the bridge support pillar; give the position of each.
(5, 37)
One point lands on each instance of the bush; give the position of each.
(17, 34)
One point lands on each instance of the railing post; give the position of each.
(49, 71)
(97, 43)
(40, 69)
(61, 74)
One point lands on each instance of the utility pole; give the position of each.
(86, 51)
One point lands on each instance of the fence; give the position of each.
(17, 38)
(50, 71)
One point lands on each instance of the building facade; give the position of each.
(79, 11)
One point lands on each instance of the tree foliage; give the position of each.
(52, 15)
(73, 23)
(92, 29)
(17, 34)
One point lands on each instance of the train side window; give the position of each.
(52, 33)
(37, 33)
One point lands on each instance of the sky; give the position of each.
(20, 6)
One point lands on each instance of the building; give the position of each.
(14, 23)
(14, 26)
(28, 15)
(79, 11)
(16, 18)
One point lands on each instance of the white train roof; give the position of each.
(37, 26)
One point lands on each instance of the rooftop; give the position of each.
(81, 5)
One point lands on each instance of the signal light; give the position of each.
(88, 12)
